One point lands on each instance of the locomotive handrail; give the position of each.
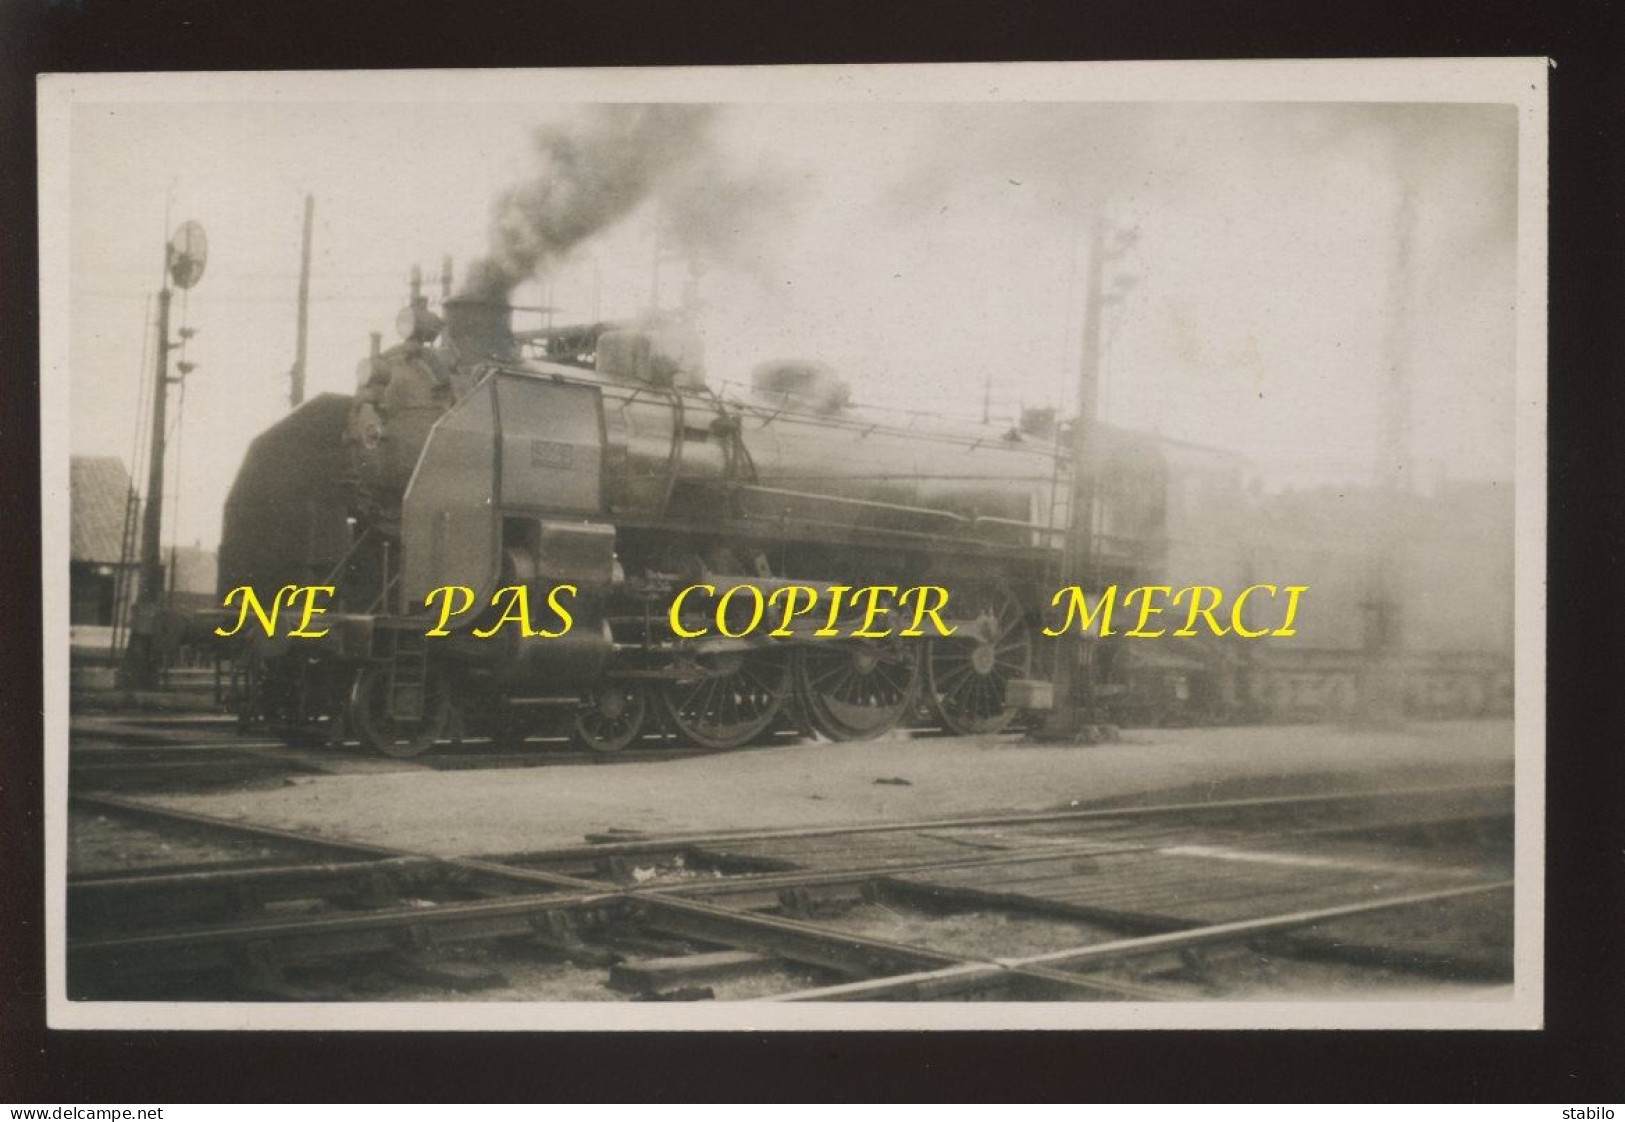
(1125, 542)
(782, 492)
(675, 460)
(384, 595)
(981, 545)
(349, 553)
(768, 414)
(1016, 523)
(918, 476)
(867, 427)
(1120, 540)
(913, 415)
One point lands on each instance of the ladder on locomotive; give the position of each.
(1058, 562)
(407, 657)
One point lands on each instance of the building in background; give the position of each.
(105, 521)
(103, 567)
(1450, 586)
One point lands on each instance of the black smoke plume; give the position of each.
(599, 168)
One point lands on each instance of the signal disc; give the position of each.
(188, 253)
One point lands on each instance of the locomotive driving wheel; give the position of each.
(857, 688)
(734, 704)
(611, 718)
(966, 674)
(390, 735)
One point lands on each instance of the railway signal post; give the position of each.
(185, 255)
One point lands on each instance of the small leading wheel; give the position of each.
(857, 688)
(611, 717)
(731, 705)
(966, 675)
(389, 735)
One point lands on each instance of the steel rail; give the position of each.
(206, 878)
(308, 938)
(668, 842)
(271, 833)
(316, 938)
(106, 774)
(847, 952)
(475, 750)
(640, 847)
(308, 926)
(772, 881)
(666, 907)
(301, 877)
(965, 978)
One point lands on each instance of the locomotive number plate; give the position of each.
(550, 453)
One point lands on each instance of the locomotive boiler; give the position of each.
(599, 457)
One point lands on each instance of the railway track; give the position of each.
(166, 766)
(180, 752)
(1132, 903)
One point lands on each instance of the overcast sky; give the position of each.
(922, 249)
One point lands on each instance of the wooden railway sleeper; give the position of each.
(557, 932)
(812, 901)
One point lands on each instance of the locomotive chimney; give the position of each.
(480, 329)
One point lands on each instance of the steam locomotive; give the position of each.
(599, 457)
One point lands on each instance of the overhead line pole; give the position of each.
(1088, 406)
(1381, 687)
(1074, 674)
(296, 391)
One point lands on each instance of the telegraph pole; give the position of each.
(1084, 435)
(1089, 360)
(1075, 694)
(296, 392)
(1396, 437)
(662, 254)
(654, 268)
(1381, 686)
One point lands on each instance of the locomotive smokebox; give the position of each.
(478, 330)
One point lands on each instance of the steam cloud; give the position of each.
(599, 169)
